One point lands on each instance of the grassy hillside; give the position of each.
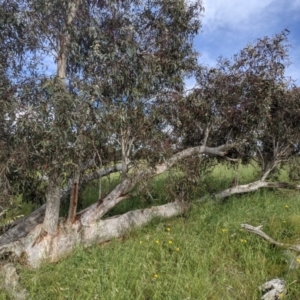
(202, 255)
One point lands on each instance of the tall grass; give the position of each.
(203, 254)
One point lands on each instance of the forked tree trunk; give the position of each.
(20, 228)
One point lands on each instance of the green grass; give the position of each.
(202, 255)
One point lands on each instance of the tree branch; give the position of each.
(257, 230)
(97, 210)
(206, 134)
(251, 187)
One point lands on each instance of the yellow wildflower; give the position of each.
(157, 241)
(224, 230)
(141, 242)
(168, 229)
(243, 241)
(155, 276)
(286, 206)
(170, 242)
(298, 260)
(177, 249)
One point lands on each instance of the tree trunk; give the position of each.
(52, 207)
(74, 197)
(53, 248)
(54, 189)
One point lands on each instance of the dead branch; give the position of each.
(257, 230)
(251, 187)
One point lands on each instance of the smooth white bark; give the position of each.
(52, 207)
(53, 248)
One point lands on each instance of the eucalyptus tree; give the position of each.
(248, 101)
(112, 58)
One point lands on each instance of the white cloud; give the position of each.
(228, 26)
(232, 13)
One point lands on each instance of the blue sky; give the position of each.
(230, 25)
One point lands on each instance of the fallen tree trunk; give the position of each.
(39, 248)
